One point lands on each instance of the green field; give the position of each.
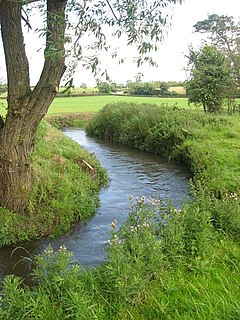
(94, 103)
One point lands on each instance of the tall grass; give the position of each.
(162, 264)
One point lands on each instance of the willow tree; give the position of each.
(140, 22)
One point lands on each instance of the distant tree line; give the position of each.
(153, 88)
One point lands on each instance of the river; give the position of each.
(132, 173)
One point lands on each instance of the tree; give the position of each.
(146, 89)
(141, 23)
(210, 78)
(104, 87)
(83, 86)
(164, 88)
(223, 32)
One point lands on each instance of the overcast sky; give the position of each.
(170, 58)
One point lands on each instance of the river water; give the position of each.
(132, 173)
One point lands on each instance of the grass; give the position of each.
(95, 103)
(145, 277)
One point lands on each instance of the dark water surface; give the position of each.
(131, 172)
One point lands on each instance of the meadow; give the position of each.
(78, 104)
(95, 103)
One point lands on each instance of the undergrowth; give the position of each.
(163, 263)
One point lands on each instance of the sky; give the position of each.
(170, 57)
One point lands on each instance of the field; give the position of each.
(178, 90)
(94, 103)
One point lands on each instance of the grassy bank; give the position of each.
(208, 144)
(163, 263)
(64, 191)
(69, 119)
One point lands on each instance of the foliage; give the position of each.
(145, 89)
(223, 32)
(210, 78)
(70, 119)
(190, 137)
(106, 87)
(83, 86)
(164, 88)
(100, 21)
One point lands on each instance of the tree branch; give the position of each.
(54, 65)
(14, 48)
(113, 13)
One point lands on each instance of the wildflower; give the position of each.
(175, 210)
(130, 198)
(146, 225)
(62, 248)
(48, 250)
(114, 240)
(113, 224)
(134, 229)
(234, 195)
(151, 201)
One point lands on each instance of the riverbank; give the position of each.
(164, 263)
(208, 144)
(65, 189)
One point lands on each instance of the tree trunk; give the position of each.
(15, 170)
(26, 108)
